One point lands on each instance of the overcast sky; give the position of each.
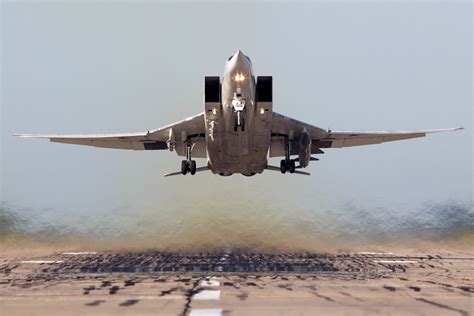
(108, 67)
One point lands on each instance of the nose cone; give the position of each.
(239, 56)
(239, 59)
(238, 66)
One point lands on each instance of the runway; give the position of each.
(165, 283)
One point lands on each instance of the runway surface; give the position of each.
(164, 283)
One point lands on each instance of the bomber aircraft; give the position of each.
(238, 130)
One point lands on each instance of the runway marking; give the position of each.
(41, 261)
(79, 253)
(207, 295)
(206, 312)
(210, 282)
(374, 253)
(395, 261)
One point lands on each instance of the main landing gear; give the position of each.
(287, 164)
(188, 164)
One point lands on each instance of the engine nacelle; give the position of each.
(304, 154)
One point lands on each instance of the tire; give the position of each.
(292, 166)
(184, 167)
(192, 167)
(283, 166)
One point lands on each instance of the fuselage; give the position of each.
(236, 142)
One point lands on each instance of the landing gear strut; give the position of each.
(188, 164)
(287, 164)
(239, 122)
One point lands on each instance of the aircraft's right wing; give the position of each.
(283, 126)
(193, 127)
(339, 139)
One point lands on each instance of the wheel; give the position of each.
(283, 166)
(292, 166)
(192, 167)
(184, 167)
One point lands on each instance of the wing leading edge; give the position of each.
(150, 140)
(339, 139)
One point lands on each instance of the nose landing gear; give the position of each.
(188, 164)
(239, 122)
(238, 105)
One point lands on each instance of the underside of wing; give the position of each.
(133, 141)
(339, 139)
(158, 139)
(284, 127)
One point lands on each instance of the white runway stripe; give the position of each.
(41, 261)
(79, 253)
(207, 295)
(206, 312)
(210, 282)
(374, 253)
(395, 261)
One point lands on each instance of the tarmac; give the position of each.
(237, 283)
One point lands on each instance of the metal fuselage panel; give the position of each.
(237, 139)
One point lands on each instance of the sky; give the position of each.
(110, 67)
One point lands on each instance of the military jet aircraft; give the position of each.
(238, 130)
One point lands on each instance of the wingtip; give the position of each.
(24, 135)
(29, 135)
(454, 129)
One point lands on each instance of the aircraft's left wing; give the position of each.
(150, 140)
(283, 126)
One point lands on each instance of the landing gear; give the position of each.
(192, 167)
(188, 164)
(283, 166)
(239, 122)
(292, 166)
(184, 167)
(287, 164)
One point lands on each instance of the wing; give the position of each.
(192, 127)
(339, 139)
(283, 126)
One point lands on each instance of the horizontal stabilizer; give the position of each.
(310, 158)
(273, 168)
(177, 173)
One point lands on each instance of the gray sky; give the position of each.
(100, 67)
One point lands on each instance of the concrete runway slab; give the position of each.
(160, 283)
